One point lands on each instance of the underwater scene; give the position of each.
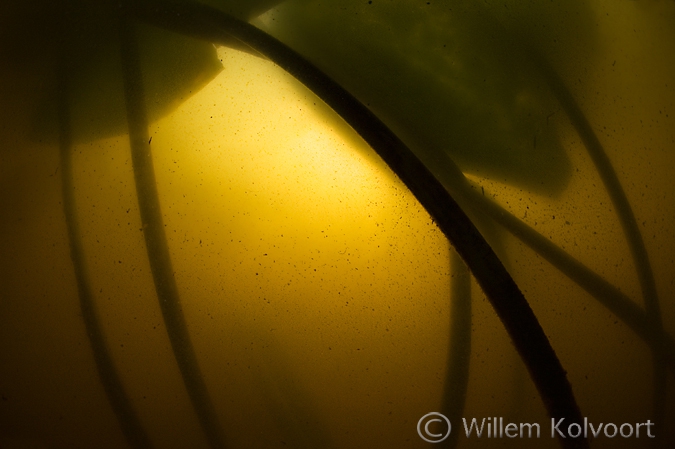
(337, 224)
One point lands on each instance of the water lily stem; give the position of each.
(628, 223)
(156, 242)
(456, 382)
(506, 298)
(120, 402)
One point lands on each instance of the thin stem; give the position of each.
(628, 223)
(130, 424)
(156, 242)
(515, 313)
(459, 349)
(608, 295)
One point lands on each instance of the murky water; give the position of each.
(317, 293)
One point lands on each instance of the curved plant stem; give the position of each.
(507, 300)
(130, 424)
(155, 239)
(607, 294)
(628, 223)
(459, 349)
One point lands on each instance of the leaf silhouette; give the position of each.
(39, 35)
(447, 77)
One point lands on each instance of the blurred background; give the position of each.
(317, 292)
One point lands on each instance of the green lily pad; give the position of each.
(450, 78)
(173, 67)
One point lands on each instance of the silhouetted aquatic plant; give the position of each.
(506, 298)
(431, 175)
(112, 384)
(99, 86)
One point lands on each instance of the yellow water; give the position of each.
(316, 289)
